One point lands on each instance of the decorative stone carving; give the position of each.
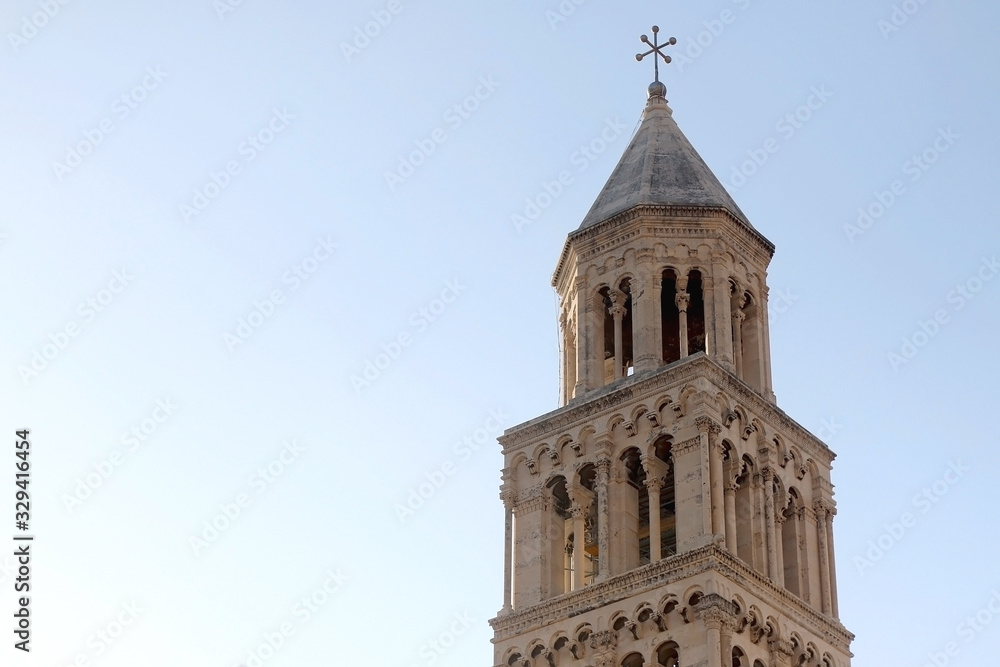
(630, 429)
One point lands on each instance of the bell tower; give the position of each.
(668, 513)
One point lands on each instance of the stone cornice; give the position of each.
(602, 403)
(660, 218)
(663, 573)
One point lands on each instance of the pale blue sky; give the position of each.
(329, 125)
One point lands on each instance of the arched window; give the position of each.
(628, 358)
(588, 477)
(670, 317)
(668, 655)
(696, 314)
(668, 506)
(558, 527)
(635, 517)
(790, 538)
(744, 514)
(753, 349)
(739, 658)
(605, 305)
(633, 660)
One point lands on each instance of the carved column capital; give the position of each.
(707, 425)
(682, 300)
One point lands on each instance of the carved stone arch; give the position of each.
(638, 412)
(739, 604)
(539, 454)
(668, 604)
(811, 653)
(512, 657)
(614, 422)
(742, 416)
(634, 659)
(666, 654)
(693, 594)
(784, 453)
(772, 629)
(761, 431)
(828, 661)
(568, 449)
(739, 657)
(583, 632)
(586, 436)
(520, 462)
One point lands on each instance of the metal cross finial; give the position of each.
(656, 49)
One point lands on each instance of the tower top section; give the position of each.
(660, 167)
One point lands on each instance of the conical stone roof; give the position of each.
(660, 167)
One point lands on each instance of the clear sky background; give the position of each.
(129, 258)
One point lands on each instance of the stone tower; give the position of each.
(668, 513)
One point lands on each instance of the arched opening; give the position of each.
(633, 660)
(668, 655)
(696, 314)
(668, 505)
(635, 514)
(558, 529)
(739, 658)
(790, 543)
(628, 366)
(744, 513)
(752, 342)
(605, 305)
(670, 317)
(588, 478)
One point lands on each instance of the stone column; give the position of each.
(590, 357)
(653, 489)
(508, 496)
(531, 546)
(683, 299)
(834, 605)
(605, 646)
(718, 502)
(717, 311)
(766, 342)
(708, 430)
(617, 311)
(655, 470)
(714, 613)
(772, 557)
(738, 317)
(647, 320)
(779, 551)
(603, 537)
(822, 512)
(730, 491)
(581, 500)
